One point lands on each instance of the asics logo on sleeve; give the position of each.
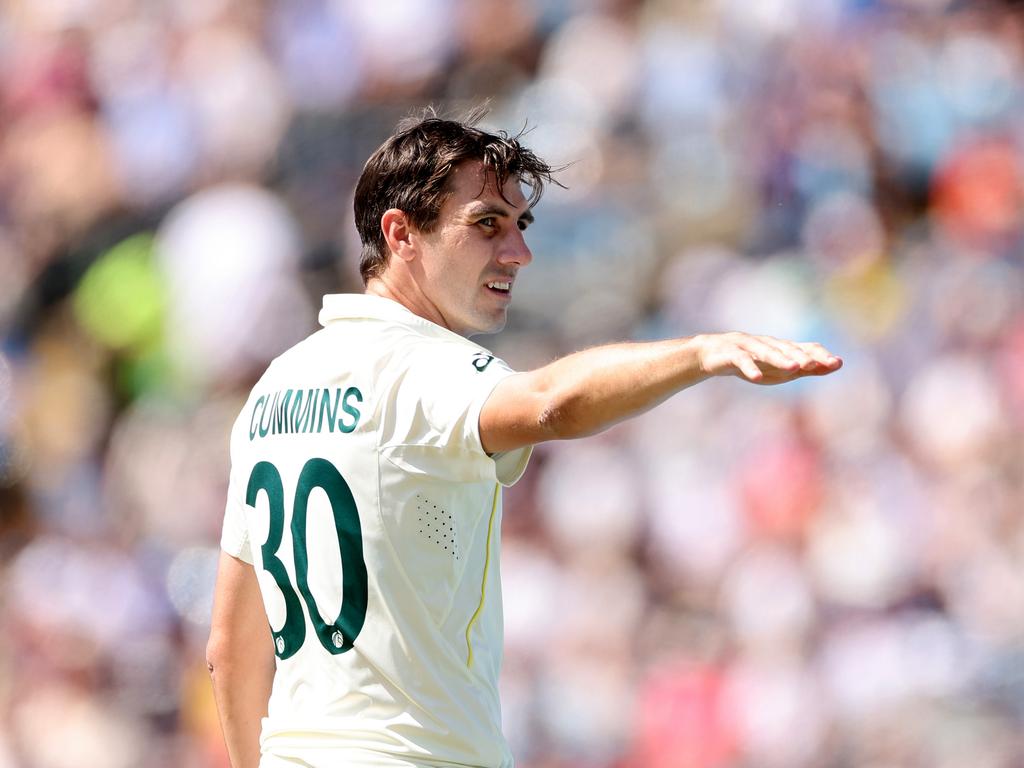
(481, 361)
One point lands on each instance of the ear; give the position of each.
(398, 233)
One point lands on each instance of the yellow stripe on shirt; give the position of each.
(483, 584)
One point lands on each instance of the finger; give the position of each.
(817, 351)
(821, 355)
(795, 352)
(746, 365)
(825, 370)
(812, 357)
(762, 348)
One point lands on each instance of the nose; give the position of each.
(515, 250)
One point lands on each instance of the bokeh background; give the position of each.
(828, 574)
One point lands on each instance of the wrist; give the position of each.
(699, 344)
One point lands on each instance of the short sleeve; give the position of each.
(234, 537)
(432, 421)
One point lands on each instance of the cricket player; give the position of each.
(357, 618)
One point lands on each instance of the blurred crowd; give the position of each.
(824, 575)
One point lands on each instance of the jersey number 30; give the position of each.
(336, 637)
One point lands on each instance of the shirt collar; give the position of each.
(353, 306)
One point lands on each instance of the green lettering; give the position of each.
(275, 414)
(281, 414)
(252, 420)
(309, 412)
(309, 417)
(327, 409)
(268, 412)
(293, 420)
(351, 410)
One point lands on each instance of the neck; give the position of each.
(408, 295)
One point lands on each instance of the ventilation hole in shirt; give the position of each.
(437, 526)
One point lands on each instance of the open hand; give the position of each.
(763, 359)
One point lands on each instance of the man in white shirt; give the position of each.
(364, 507)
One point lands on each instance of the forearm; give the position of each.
(240, 656)
(241, 686)
(588, 391)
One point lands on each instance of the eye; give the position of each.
(522, 225)
(489, 221)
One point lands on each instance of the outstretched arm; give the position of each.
(240, 655)
(586, 392)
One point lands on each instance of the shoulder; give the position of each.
(455, 355)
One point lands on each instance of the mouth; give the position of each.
(500, 287)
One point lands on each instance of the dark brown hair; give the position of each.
(410, 171)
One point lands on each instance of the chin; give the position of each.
(483, 328)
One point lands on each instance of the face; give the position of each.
(469, 262)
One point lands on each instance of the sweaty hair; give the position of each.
(411, 171)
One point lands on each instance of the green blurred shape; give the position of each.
(147, 373)
(121, 301)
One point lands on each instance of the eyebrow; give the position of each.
(489, 209)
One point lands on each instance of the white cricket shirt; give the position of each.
(361, 494)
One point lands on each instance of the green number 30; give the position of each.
(338, 636)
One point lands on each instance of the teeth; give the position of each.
(500, 286)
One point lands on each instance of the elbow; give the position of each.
(215, 654)
(232, 656)
(560, 420)
(211, 661)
